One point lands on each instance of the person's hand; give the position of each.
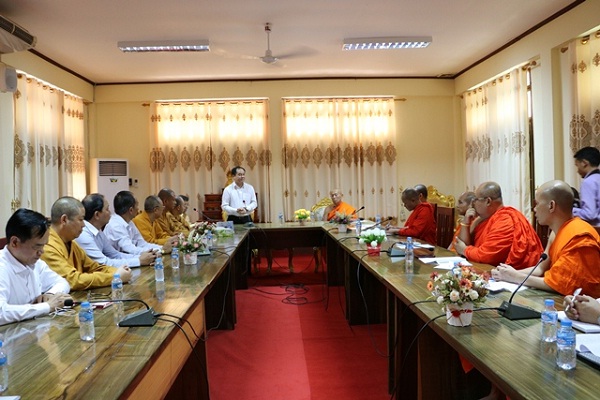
(584, 308)
(125, 273)
(505, 272)
(242, 211)
(459, 246)
(470, 215)
(147, 257)
(168, 246)
(55, 300)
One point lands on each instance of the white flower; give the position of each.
(361, 240)
(440, 299)
(473, 295)
(374, 243)
(454, 296)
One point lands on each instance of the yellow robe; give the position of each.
(75, 266)
(151, 231)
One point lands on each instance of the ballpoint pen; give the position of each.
(575, 294)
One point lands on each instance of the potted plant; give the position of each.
(342, 220)
(302, 215)
(373, 239)
(459, 291)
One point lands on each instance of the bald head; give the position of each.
(69, 206)
(559, 192)
(410, 198)
(422, 191)
(464, 202)
(489, 189)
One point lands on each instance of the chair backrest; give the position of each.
(435, 197)
(3, 242)
(319, 208)
(445, 226)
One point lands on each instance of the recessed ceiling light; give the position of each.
(163, 45)
(387, 43)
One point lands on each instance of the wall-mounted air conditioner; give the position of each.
(13, 37)
(108, 176)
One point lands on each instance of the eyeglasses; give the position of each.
(480, 198)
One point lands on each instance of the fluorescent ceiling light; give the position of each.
(164, 45)
(387, 43)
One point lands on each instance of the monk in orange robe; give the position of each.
(464, 202)
(502, 234)
(573, 248)
(421, 222)
(338, 206)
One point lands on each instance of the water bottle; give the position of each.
(116, 295)
(159, 270)
(409, 260)
(566, 357)
(87, 332)
(281, 221)
(549, 320)
(209, 239)
(378, 219)
(358, 227)
(175, 258)
(160, 290)
(3, 370)
(312, 217)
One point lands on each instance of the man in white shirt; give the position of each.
(96, 244)
(239, 198)
(121, 231)
(28, 287)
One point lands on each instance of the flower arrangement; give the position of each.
(202, 227)
(302, 214)
(223, 232)
(461, 285)
(372, 237)
(194, 241)
(341, 218)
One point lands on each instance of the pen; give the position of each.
(575, 294)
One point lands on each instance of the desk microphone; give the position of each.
(206, 217)
(516, 311)
(68, 303)
(378, 224)
(356, 211)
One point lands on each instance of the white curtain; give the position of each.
(496, 133)
(340, 143)
(580, 79)
(48, 145)
(195, 145)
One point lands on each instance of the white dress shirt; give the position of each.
(21, 285)
(125, 237)
(99, 248)
(235, 197)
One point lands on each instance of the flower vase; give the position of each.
(374, 250)
(342, 228)
(459, 315)
(302, 221)
(190, 258)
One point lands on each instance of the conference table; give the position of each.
(47, 360)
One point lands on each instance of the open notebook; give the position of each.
(581, 326)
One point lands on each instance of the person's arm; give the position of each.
(226, 202)
(417, 226)
(504, 272)
(16, 312)
(588, 210)
(50, 281)
(253, 202)
(88, 244)
(583, 308)
(495, 247)
(467, 222)
(120, 239)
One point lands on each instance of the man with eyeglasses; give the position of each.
(502, 234)
(338, 206)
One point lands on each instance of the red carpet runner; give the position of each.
(296, 352)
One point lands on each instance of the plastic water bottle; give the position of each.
(116, 295)
(3, 370)
(87, 333)
(280, 216)
(358, 226)
(378, 219)
(409, 259)
(209, 239)
(566, 357)
(159, 270)
(549, 321)
(175, 258)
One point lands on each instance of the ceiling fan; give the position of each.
(268, 57)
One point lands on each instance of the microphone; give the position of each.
(356, 211)
(68, 303)
(516, 311)
(378, 224)
(206, 217)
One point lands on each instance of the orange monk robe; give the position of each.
(575, 259)
(456, 233)
(421, 224)
(505, 237)
(343, 208)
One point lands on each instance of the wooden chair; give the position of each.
(318, 210)
(3, 242)
(435, 197)
(445, 226)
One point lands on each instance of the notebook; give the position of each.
(581, 326)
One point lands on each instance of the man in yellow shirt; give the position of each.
(167, 220)
(147, 223)
(64, 255)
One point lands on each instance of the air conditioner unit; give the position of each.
(109, 176)
(13, 37)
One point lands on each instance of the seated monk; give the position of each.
(338, 206)
(502, 233)
(421, 222)
(423, 193)
(464, 203)
(573, 247)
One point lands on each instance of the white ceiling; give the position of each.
(82, 35)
